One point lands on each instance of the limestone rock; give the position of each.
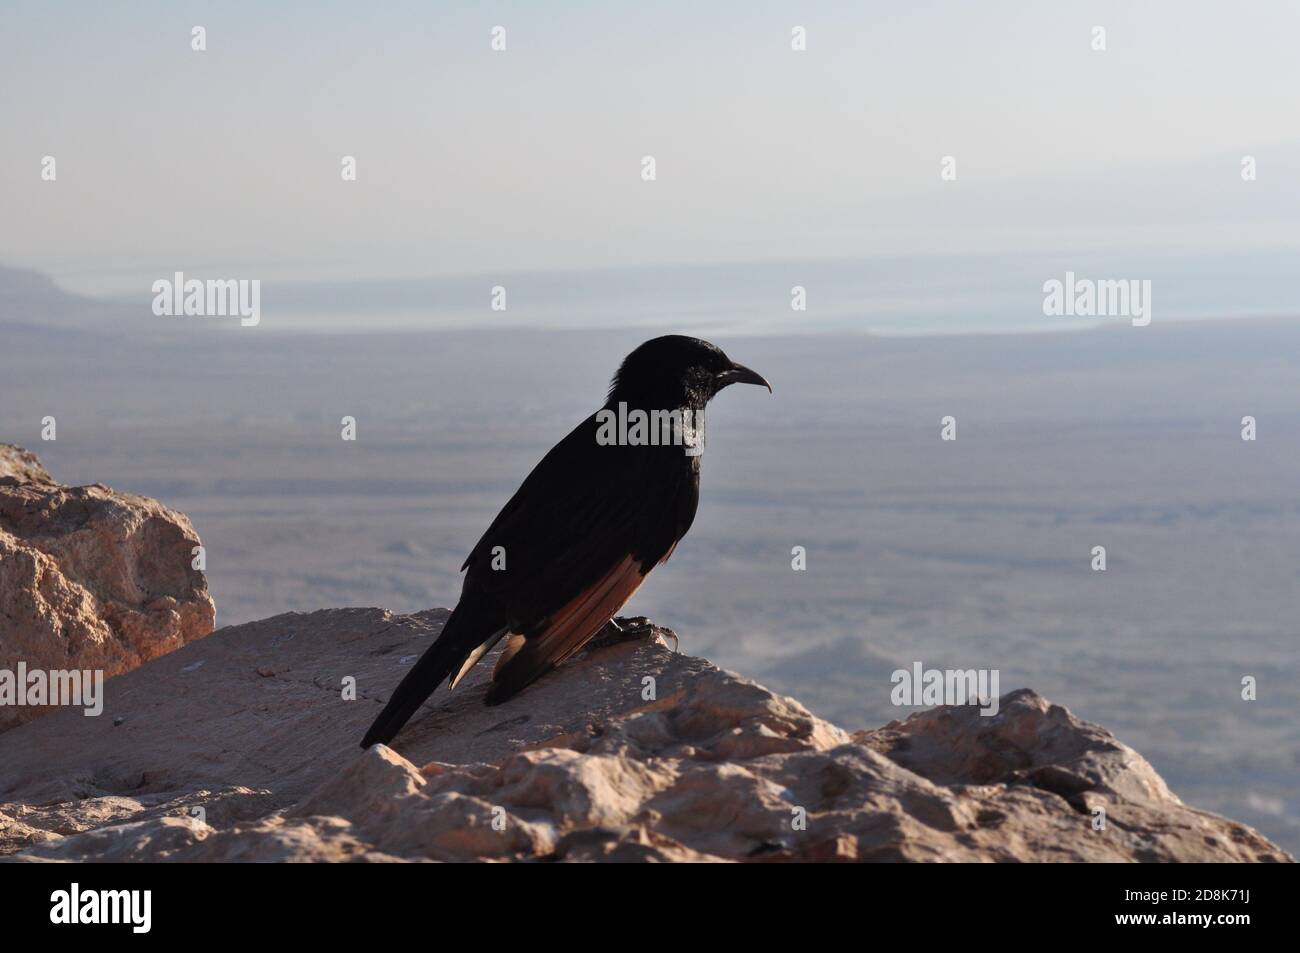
(21, 466)
(242, 747)
(90, 578)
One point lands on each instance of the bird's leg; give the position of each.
(610, 633)
(636, 627)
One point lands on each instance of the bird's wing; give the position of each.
(578, 539)
(582, 510)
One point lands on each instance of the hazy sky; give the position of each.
(228, 161)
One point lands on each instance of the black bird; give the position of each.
(580, 535)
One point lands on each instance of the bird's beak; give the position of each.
(740, 374)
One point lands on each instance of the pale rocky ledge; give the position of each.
(240, 746)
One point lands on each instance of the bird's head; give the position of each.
(677, 371)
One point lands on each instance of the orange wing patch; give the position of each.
(568, 630)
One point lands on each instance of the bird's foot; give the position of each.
(626, 629)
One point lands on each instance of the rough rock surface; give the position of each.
(242, 747)
(90, 578)
(21, 466)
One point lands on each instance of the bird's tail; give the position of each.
(439, 661)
